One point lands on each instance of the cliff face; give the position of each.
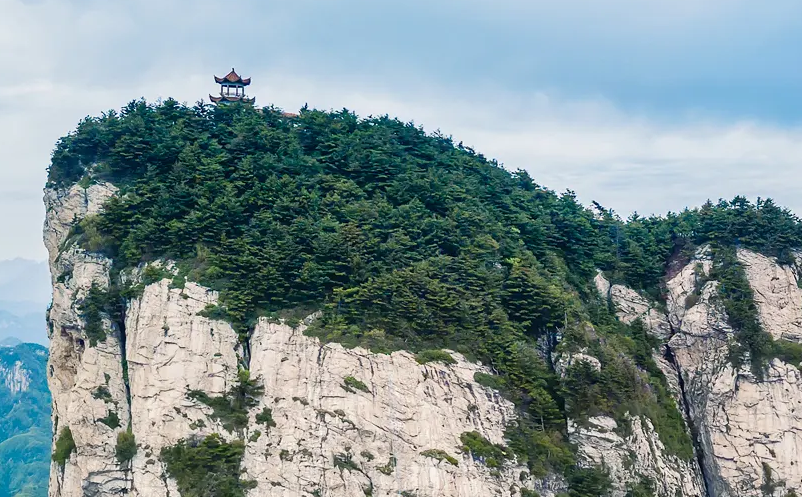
(344, 422)
(746, 428)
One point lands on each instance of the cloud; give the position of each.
(647, 106)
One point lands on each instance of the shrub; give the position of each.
(481, 448)
(65, 445)
(102, 392)
(440, 455)
(387, 469)
(207, 467)
(112, 420)
(266, 418)
(588, 482)
(351, 384)
(427, 356)
(488, 380)
(345, 461)
(231, 409)
(126, 447)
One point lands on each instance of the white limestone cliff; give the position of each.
(747, 428)
(15, 378)
(85, 381)
(408, 408)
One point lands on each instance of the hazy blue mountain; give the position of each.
(24, 280)
(25, 428)
(10, 342)
(24, 296)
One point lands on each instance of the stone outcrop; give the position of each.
(15, 378)
(630, 305)
(632, 453)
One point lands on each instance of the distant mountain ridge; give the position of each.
(24, 280)
(24, 296)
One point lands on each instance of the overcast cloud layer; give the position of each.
(644, 106)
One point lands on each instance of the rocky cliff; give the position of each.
(343, 422)
(400, 432)
(746, 427)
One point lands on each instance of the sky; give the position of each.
(645, 106)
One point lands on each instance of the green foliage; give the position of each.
(440, 455)
(91, 309)
(232, 408)
(153, 274)
(345, 461)
(25, 426)
(64, 446)
(480, 448)
(588, 482)
(266, 418)
(112, 420)
(351, 385)
(629, 382)
(488, 380)
(102, 393)
(213, 311)
(426, 356)
(126, 449)
(208, 467)
(769, 484)
(644, 488)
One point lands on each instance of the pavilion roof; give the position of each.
(233, 77)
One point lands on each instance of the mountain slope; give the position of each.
(200, 228)
(24, 421)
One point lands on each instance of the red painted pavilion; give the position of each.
(232, 89)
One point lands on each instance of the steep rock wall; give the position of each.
(409, 408)
(746, 428)
(85, 381)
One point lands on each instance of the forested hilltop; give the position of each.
(407, 240)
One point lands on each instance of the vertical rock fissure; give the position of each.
(124, 357)
(698, 449)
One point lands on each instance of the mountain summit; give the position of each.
(252, 302)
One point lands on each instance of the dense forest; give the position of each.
(24, 424)
(409, 240)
